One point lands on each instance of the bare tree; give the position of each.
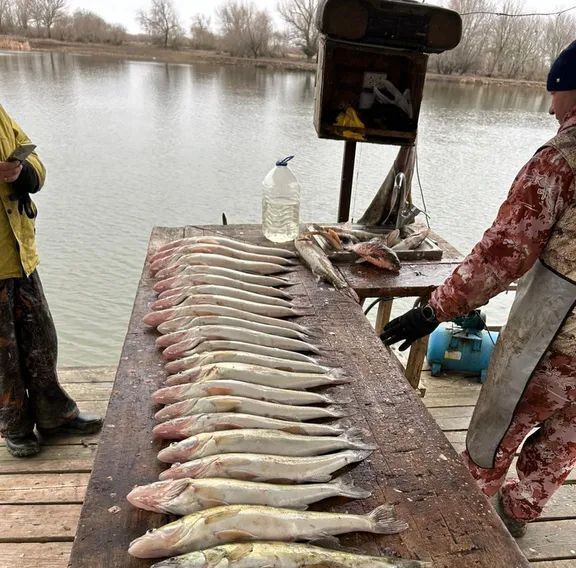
(162, 23)
(559, 33)
(468, 57)
(246, 31)
(5, 15)
(48, 12)
(300, 15)
(502, 35)
(202, 36)
(23, 10)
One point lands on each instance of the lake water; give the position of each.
(131, 145)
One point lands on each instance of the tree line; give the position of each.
(512, 46)
(52, 19)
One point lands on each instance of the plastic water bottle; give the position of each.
(281, 203)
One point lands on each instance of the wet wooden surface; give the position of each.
(415, 467)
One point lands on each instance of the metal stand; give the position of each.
(347, 180)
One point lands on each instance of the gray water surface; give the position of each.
(131, 145)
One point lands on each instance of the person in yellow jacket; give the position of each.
(30, 394)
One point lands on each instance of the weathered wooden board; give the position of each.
(86, 375)
(450, 521)
(38, 523)
(88, 392)
(52, 459)
(555, 564)
(550, 540)
(43, 488)
(35, 555)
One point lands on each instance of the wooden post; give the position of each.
(383, 315)
(416, 361)
(347, 180)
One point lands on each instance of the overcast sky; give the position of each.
(123, 11)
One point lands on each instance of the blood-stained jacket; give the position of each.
(18, 255)
(539, 197)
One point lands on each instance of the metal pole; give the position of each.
(347, 179)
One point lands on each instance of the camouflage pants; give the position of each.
(29, 390)
(548, 454)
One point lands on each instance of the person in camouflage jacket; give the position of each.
(30, 394)
(532, 376)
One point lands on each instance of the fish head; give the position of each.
(190, 560)
(157, 496)
(376, 252)
(175, 429)
(164, 541)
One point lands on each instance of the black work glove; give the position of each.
(419, 322)
(26, 184)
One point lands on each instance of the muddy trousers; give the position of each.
(29, 390)
(548, 454)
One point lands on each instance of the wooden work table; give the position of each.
(415, 467)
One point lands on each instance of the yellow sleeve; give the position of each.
(21, 138)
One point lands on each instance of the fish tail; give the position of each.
(383, 521)
(350, 293)
(356, 438)
(337, 412)
(347, 488)
(303, 311)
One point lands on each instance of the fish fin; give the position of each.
(356, 436)
(350, 293)
(211, 503)
(303, 311)
(337, 412)
(232, 535)
(384, 521)
(347, 488)
(326, 541)
(361, 455)
(177, 488)
(360, 261)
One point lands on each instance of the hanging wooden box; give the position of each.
(347, 75)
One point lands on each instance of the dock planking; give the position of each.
(549, 543)
(450, 522)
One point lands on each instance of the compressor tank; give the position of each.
(461, 349)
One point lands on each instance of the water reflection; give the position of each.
(130, 145)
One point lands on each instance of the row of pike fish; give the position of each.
(246, 458)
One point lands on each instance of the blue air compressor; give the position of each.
(463, 345)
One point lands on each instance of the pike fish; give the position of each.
(174, 256)
(216, 280)
(413, 241)
(168, 316)
(376, 252)
(229, 403)
(253, 441)
(174, 297)
(217, 240)
(283, 555)
(182, 428)
(236, 275)
(185, 496)
(262, 467)
(321, 266)
(256, 375)
(190, 323)
(220, 345)
(212, 259)
(195, 336)
(179, 393)
(240, 523)
(242, 304)
(212, 357)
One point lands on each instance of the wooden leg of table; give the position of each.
(383, 315)
(416, 361)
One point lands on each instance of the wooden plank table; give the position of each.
(450, 522)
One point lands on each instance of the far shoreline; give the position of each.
(149, 53)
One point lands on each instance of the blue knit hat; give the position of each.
(562, 76)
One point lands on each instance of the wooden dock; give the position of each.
(41, 498)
